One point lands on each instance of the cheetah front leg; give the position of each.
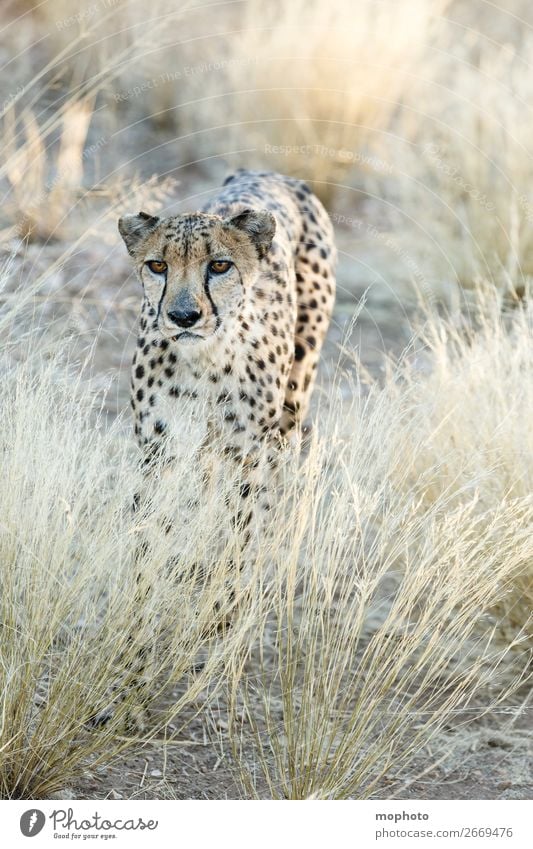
(135, 663)
(249, 504)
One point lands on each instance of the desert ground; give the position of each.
(380, 646)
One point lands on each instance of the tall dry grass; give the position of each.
(298, 87)
(59, 122)
(381, 603)
(403, 589)
(459, 189)
(474, 410)
(75, 614)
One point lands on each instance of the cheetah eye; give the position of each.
(220, 266)
(157, 266)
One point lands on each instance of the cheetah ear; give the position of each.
(134, 228)
(259, 225)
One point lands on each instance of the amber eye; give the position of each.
(220, 266)
(157, 266)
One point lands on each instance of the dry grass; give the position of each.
(405, 580)
(39, 206)
(70, 590)
(374, 613)
(474, 411)
(57, 124)
(461, 162)
(304, 87)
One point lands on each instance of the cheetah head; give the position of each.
(198, 269)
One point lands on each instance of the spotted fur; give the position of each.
(255, 348)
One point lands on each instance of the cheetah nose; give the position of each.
(184, 318)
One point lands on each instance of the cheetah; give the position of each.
(237, 302)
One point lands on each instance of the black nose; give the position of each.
(184, 318)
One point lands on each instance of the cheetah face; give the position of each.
(197, 269)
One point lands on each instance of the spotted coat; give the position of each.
(238, 349)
